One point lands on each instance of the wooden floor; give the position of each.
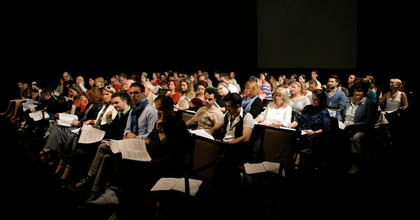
(380, 191)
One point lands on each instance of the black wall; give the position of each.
(42, 41)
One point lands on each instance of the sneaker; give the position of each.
(108, 198)
(79, 186)
(354, 169)
(92, 196)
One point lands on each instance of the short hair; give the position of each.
(139, 85)
(223, 84)
(211, 90)
(235, 98)
(322, 96)
(47, 91)
(337, 79)
(123, 96)
(396, 81)
(167, 101)
(362, 84)
(123, 75)
(224, 75)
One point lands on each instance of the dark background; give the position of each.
(41, 41)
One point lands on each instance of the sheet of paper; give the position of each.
(202, 133)
(194, 186)
(165, 184)
(251, 168)
(36, 116)
(91, 135)
(131, 149)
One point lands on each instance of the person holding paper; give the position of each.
(114, 130)
(168, 137)
(237, 129)
(207, 116)
(58, 134)
(314, 120)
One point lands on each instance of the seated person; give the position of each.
(335, 97)
(237, 130)
(237, 123)
(314, 120)
(360, 109)
(207, 116)
(223, 90)
(279, 112)
(251, 102)
(167, 138)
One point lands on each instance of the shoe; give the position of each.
(108, 198)
(13, 121)
(354, 169)
(79, 186)
(92, 196)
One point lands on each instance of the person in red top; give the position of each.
(115, 84)
(155, 81)
(173, 92)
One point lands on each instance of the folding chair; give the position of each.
(206, 154)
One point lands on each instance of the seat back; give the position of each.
(205, 155)
(276, 141)
(187, 116)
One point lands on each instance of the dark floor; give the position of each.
(380, 190)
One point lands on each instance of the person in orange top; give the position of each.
(79, 98)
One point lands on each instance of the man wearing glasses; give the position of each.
(67, 82)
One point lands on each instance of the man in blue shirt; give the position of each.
(335, 97)
(142, 118)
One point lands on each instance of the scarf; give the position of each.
(247, 104)
(135, 114)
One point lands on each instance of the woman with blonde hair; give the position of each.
(279, 112)
(394, 98)
(298, 99)
(250, 101)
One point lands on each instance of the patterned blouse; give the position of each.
(313, 118)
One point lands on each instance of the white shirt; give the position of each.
(232, 88)
(272, 114)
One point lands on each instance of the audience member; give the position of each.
(115, 84)
(350, 82)
(223, 90)
(187, 93)
(394, 99)
(314, 76)
(207, 116)
(279, 112)
(150, 96)
(314, 121)
(167, 138)
(173, 91)
(67, 82)
(335, 97)
(99, 82)
(298, 100)
(142, 118)
(264, 78)
(224, 77)
(251, 102)
(360, 110)
(155, 80)
(81, 82)
(58, 134)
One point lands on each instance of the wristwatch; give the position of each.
(160, 130)
(273, 125)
